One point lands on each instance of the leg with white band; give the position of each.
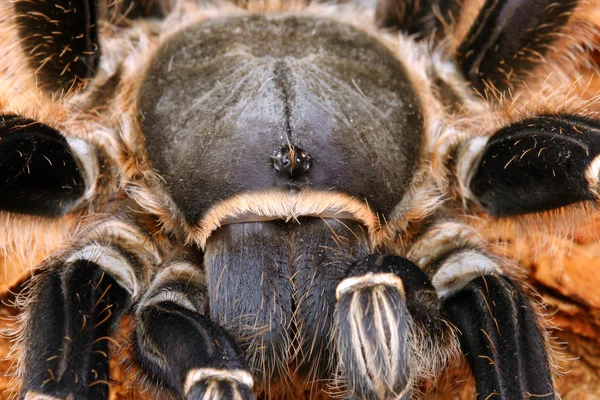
(66, 340)
(80, 297)
(499, 332)
(387, 313)
(180, 347)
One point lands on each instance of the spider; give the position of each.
(288, 195)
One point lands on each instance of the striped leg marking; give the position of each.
(387, 314)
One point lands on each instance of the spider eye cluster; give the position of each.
(255, 103)
(291, 161)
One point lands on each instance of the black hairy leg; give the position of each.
(497, 325)
(537, 164)
(60, 40)
(79, 296)
(38, 173)
(67, 332)
(502, 339)
(509, 38)
(41, 172)
(179, 347)
(386, 308)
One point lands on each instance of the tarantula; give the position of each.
(285, 196)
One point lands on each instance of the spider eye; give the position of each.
(285, 103)
(291, 161)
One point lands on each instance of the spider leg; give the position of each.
(386, 308)
(509, 38)
(69, 328)
(499, 330)
(60, 40)
(501, 337)
(180, 347)
(41, 172)
(534, 165)
(73, 306)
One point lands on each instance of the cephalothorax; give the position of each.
(287, 197)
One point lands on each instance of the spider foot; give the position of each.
(502, 339)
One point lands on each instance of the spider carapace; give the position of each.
(285, 85)
(285, 197)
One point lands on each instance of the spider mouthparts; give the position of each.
(288, 275)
